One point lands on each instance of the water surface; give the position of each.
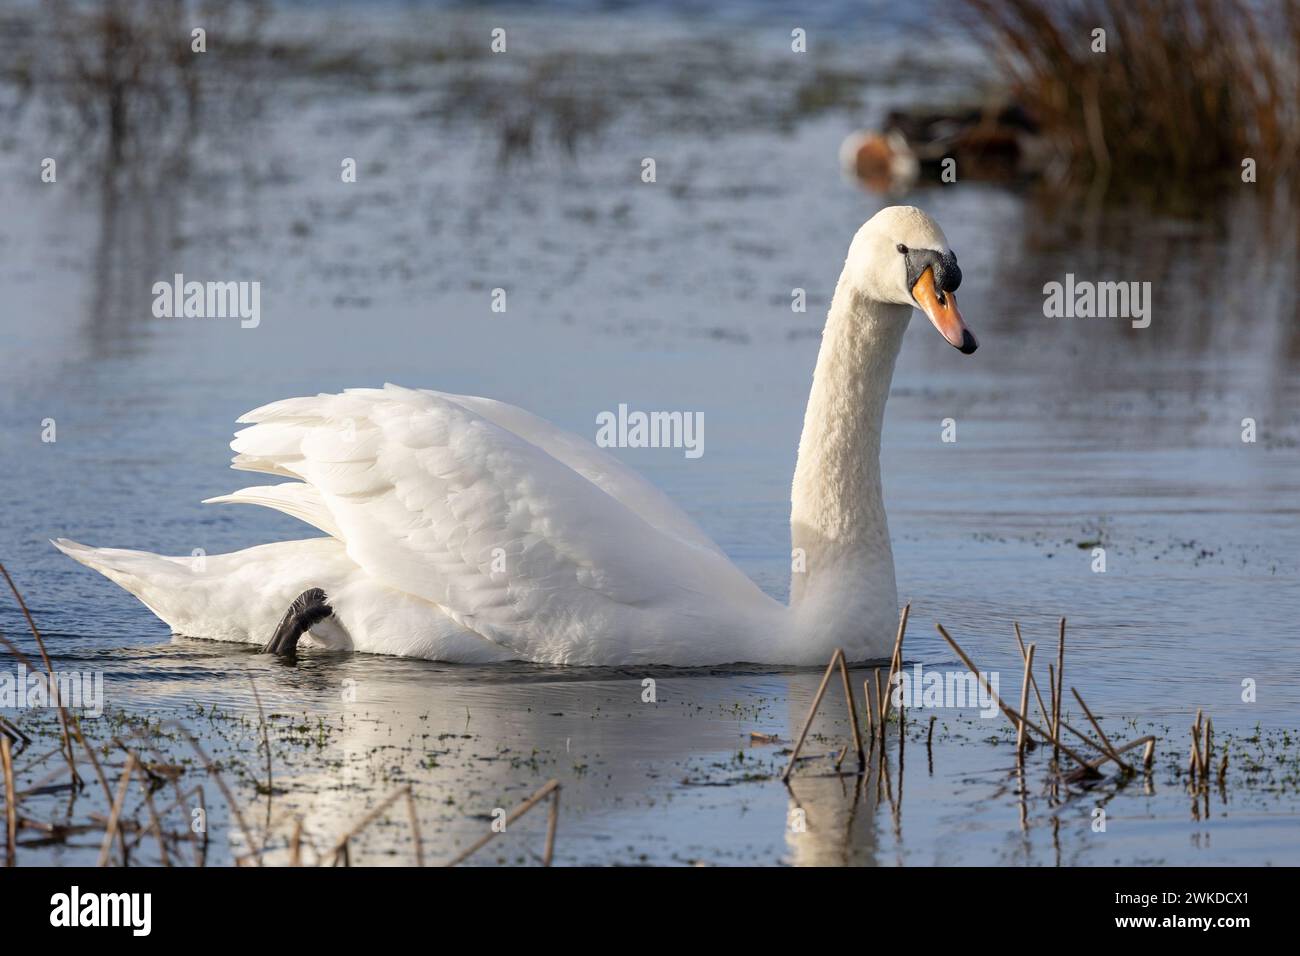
(674, 295)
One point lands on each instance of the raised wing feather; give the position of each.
(295, 498)
(433, 497)
(600, 468)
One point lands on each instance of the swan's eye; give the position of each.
(902, 248)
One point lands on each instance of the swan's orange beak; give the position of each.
(941, 307)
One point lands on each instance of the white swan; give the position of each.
(463, 529)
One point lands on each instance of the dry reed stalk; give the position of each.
(1223, 767)
(43, 785)
(315, 853)
(902, 740)
(836, 658)
(69, 723)
(139, 833)
(1209, 745)
(839, 757)
(94, 761)
(551, 786)
(415, 827)
(880, 704)
(895, 665)
(898, 808)
(1122, 749)
(276, 823)
(1042, 709)
(1105, 741)
(884, 779)
(147, 777)
(176, 790)
(369, 818)
(1022, 791)
(295, 844)
(14, 733)
(1084, 737)
(1024, 703)
(120, 744)
(266, 745)
(1148, 755)
(153, 815)
(869, 706)
(1051, 690)
(853, 712)
(127, 824)
(1201, 766)
(1011, 714)
(64, 716)
(929, 736)
(552, 823)
(202, 850)
(1059, 692)
(11, 802)
(812, 712)
(221, 784)
(111, 828)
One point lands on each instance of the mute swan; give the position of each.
(467, 530)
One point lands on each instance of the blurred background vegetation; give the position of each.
(1184, 92)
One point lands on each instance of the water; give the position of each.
(673, 295)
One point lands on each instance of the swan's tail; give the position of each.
(232, 597)
(150, 577)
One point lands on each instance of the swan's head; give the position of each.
(901, 256)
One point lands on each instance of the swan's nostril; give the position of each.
(968, 343)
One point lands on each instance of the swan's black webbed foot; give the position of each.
(308, 608)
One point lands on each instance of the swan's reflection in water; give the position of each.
(834, 817)
(839, 813)
(675, 779)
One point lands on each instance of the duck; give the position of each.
(883, 162)
(462, 529)
(997, 142)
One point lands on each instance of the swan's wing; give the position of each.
(600, 468)
(437, 500)
(294, 498)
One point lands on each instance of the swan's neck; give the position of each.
(842, 584)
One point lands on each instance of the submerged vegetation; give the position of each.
(213, 786)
